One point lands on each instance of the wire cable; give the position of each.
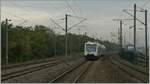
(70, 7)
(56, 8)
(147, 2)
(77, 6)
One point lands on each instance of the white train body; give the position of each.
(93, 50)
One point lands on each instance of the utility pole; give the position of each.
(7, 40)
(135, 27)
(120, 30)
(146, 46)
(79, 40)
(145, 24)
(124, 41)
(66, 29)
(120, 33)
(55, 44)
(66, 41)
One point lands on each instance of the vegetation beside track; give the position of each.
(27, 43)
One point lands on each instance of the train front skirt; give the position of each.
(91, 57)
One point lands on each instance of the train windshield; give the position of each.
(130, 48)
(91, 47)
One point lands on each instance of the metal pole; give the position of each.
(146, 47)
(124, 41)
(135, 27)
(55, 43)
(66, 52)
(6, 41)
(120, 33)
(79, 41)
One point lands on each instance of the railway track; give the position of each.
(73, 74)
(3, 67)
(30, 70)
(139, 75)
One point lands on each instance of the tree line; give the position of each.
(27, 43)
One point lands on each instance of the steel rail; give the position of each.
(29, 70)
(27, 63)
(82, 73)
(66, 72)
(124, 68)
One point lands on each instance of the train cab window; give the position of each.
(91, 47)
(130, 48)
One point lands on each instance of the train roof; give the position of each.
(99, 44)
(89, 42)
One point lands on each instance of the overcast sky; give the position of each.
(99, 15)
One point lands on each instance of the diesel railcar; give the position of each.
(93, 50)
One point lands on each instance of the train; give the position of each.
(93, 50)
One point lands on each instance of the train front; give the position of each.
(90, 51)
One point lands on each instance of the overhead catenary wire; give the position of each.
(52, 5)
(70, 7)
(70, 15)
(57, 24)
(77, 17)
(21, 18)
(76, 24)
(27, 11)
(76, 2)
(20, 6)
(14, 15)
(77, 6)
(147, 2)
(30, 10)
(133, 16)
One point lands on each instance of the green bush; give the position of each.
(38, 42)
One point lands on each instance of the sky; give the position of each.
(99, 16)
